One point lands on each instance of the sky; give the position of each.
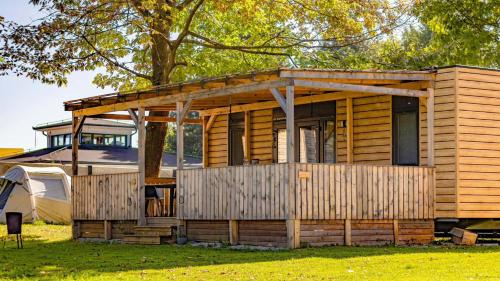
(25, 103)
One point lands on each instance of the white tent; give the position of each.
(40, 193)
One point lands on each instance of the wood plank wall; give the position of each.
(218, 142)
(261, 134)
(239, 192)
(317, 191)
(105, 197)
(444, 141)
(261, 131)
(478, 93)
(362, 192)
(372, 116)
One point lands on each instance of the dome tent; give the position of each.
(40, 193)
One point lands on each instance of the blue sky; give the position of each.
(24, 103)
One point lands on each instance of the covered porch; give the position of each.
(312, 152)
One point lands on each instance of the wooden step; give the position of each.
(153, 230)
(142, 239)
(161, 221)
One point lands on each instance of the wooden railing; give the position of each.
(105, 197)
(306, 191)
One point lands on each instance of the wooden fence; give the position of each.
(105, 197)
(306, 191)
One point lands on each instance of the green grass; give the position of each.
(50, 254)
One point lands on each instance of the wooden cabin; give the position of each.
(308, 157)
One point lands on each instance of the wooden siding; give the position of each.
(218, 142)
(372, 131)
(261, 136)
(444, 141)
(478, 93)
(316, 191)
(207, 231)
(262, 233)
(105, 197)
(319, 233)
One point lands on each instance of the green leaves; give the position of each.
(144, 42)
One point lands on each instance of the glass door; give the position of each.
(308, 142)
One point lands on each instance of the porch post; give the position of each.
(430, 127)
(181, 225)
(290, 124)
(76, 126)
(74, 147)
(141, 218)
(180, 136)
(292, 224)
(349, 133)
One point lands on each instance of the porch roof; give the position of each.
(218, 93)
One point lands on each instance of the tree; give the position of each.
(151, 42)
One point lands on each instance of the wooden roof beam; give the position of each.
(359, 88)
(155, 119)
(181, 97)
(365, 75)
(279, 98)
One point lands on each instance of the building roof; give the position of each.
(173, 92)
(88, 122)
(87, 155)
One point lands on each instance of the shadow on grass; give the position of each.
(43, 259)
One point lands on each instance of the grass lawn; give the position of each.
(50, 254)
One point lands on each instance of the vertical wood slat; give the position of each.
(105, 197)
(316, 191)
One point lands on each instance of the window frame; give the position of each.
(320, 124)
(413, 108)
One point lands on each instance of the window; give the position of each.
(314, 133)
(121, 141)
(236, 134)
(405, 131)
(67, 139)
(281, 149)
(98, 139)
(60, 140)
(103, 140)
(86, 139)
(308, 144)
(109, 140)
(329, 141)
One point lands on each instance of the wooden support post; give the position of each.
(205, 142)
(181, 231)
(181, 227)
(293, 233)
(180, 136)
(279, 98)
(430, 127)
(76, 229)
(290, 124)
(233, 232)
(347, 233)
(108, 230)
(396, 232)
(248, 154)
(134, 117)
(349, 131)
(76, 128)
(141, 218)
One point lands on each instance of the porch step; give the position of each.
(161, 221)
(153, 230)
(142, 239)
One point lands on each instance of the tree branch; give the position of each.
(115, 63)
(187, 24)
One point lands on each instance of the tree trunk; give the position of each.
(163, 59)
